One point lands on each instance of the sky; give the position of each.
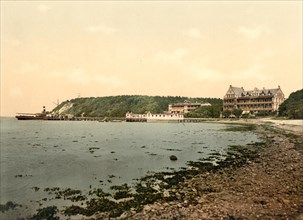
(59, 50)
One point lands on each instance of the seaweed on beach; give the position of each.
(121, 192)
(159, 186)
(242, 128)
(170, 149)
(9, 205)
(48, 213)
(151, 188)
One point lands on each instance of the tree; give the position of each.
(237, 112)
(226, 113)
(293, 106)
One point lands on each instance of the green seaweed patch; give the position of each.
(170, 149)
(243, 128)
(74, 210)
(144, 195)
(202, 166)
(151, 154)
(121, 192)
(23, 175)
(48, 213)
(77, 198)
(9, 205)
(98, 192)
(35, 188)
(94, 148)
(215, 154)
(238, 156)
(92, 206)
(68, 194)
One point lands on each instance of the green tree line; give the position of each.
(293, 106)
(213, 111)
(118, 106)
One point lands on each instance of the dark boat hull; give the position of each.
(26, 117)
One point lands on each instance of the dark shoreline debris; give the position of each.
(9, 205)
(173, 158)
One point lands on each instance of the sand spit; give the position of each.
(268, 187)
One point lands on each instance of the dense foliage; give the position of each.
(293, 106)
(206, 112)
(118, 106)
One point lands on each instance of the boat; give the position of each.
(33, 116)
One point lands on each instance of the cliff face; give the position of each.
(63, 109)
(117, 106)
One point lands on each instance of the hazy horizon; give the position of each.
(59, 50)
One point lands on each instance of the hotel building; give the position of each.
(253, 100)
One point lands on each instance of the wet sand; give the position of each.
(269, 187)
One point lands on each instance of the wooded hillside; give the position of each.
(117, 106)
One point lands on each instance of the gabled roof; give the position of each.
(266, 91)
(238, 91)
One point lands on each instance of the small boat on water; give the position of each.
(33, 116)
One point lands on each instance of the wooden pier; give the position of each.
(100, 119)
(195, 120)
(120, 119)
(136, 120)
(184, 120)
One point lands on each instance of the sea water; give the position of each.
(91, 154)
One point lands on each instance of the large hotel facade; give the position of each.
(253, 100)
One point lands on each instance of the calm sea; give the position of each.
(83, 155)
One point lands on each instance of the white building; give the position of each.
(149, 117)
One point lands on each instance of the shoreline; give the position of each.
(255, 173)
(269, 187)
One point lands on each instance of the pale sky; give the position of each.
(60, 49)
